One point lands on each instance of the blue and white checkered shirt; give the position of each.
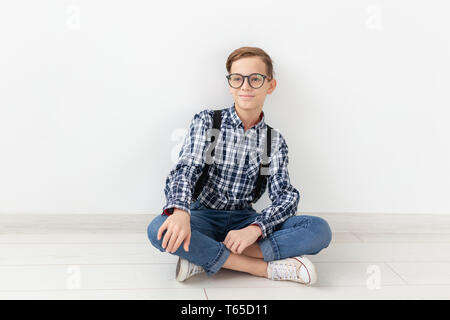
(232, 175)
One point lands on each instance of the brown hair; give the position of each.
(251, 52)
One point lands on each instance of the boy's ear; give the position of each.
(273, 85)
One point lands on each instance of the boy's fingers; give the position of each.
(161, 229)
(177, 244)
(226, 241)
(173, 238)
(167, 236)
(235, 246)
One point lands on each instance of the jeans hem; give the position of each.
(214, 266)
(269, 248)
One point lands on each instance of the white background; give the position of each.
(96, 96)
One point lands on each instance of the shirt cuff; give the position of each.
(168, 210)
(170, 206)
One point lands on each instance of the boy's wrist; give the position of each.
(256, 228)
(178, 211)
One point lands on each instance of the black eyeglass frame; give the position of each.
(248, 79)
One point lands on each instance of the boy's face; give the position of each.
(247, 66)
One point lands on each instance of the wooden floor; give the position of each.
(372, 256)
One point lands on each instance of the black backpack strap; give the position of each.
(217, 121)
(260, 179)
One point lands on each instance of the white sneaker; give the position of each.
(186, 269)
(298, 269)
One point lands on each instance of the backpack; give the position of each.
(217, 121)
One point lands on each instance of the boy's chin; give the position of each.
(246, 105)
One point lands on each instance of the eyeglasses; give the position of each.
(255, 80)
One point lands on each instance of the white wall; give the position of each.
(95, 97)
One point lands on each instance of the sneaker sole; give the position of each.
(310, 268)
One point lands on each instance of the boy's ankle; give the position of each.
(266, 270)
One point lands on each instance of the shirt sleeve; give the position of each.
(182, 178)
(284, 196)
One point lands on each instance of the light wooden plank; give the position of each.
(107, 277)
(356, 274)
(56, 238)
(404, 237)
(374, 252)
(73, 223)
(423, 273)
(387, 222)
(152, 276)
(82, 253)
(343, 237)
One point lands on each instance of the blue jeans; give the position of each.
(297, 235)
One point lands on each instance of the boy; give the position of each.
(221, 228)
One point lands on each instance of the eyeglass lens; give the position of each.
(255, 80)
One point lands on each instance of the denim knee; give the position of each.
(152, 230)
(323, 232)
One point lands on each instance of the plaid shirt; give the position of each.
(232, 175)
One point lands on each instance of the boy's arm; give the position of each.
(182, 178)
(284, 196)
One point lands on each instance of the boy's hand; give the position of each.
(237, 240)
(178, 227)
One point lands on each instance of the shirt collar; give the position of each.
(236, 121)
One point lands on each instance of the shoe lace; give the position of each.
(284, 272)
